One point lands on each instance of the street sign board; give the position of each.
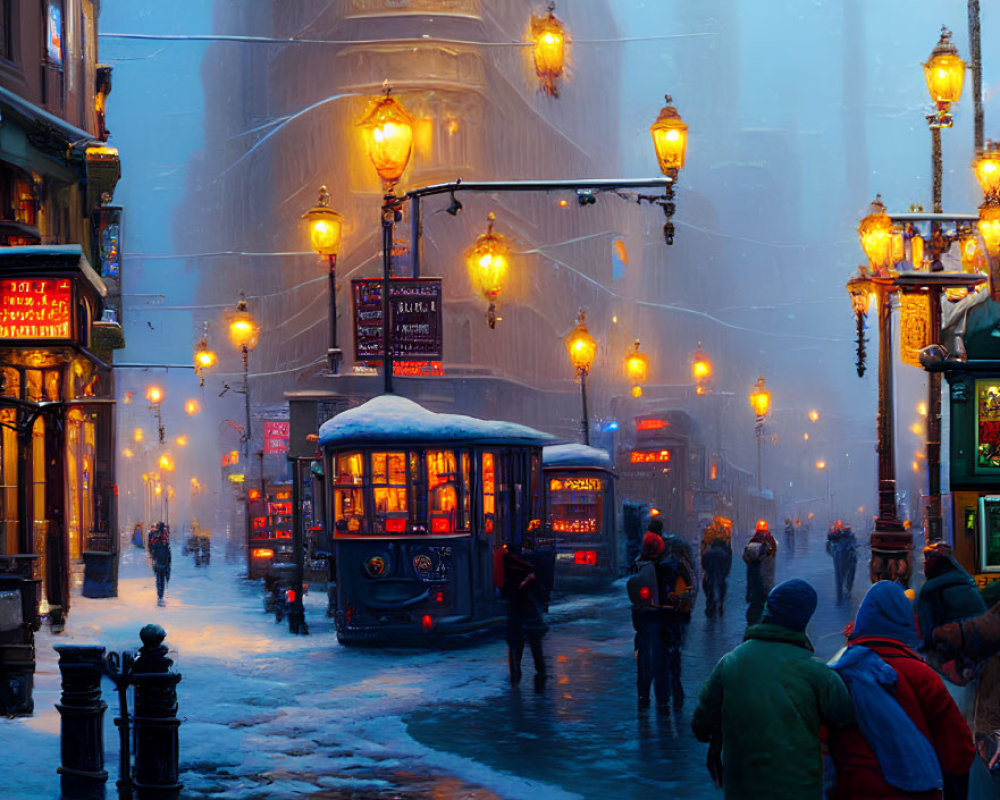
(276, 433)
(414, 318)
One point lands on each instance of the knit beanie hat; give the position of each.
(652, 545)
(791, 604)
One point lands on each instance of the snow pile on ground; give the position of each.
(265, 713)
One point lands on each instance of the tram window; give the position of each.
(442, 491)
(389, 487)
(348, 500)
(489, 492)
(466, 490)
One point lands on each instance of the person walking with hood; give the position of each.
(759, 555)
(525, 619)
(949, 593)
(764, 704)
(910, 740)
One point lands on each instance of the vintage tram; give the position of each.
(270, 528)
(581, 514)
(665, 461)
(422, 505)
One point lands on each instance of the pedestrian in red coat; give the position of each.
(886, 625)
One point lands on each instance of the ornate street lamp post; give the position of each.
(548, 44)
(154, 394)
(760, 402)
(669, 134)
(243, 333)
(582, 348)
(389, 135)
(325, 226)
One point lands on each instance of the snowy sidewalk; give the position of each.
(266, 714)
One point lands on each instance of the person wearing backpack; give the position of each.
(159, 553)
(660, 596)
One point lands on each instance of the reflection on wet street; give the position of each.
(583, 732)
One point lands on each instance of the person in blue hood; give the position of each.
(910, 740)
(948, 595)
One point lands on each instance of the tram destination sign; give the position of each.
(414, 318)
(36, 309)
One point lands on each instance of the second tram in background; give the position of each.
(270, 528)
(582, 515)
(666, 462)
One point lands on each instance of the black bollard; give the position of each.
(157, 749)
(81, 710)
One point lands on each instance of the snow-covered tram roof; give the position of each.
(575, 455)
(391, 419)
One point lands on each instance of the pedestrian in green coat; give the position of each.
(765, 702)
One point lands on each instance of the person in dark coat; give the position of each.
(843, 547)
(765, 702)
(910, 740)
(159, 553)
(948, 595)
(759, 555)
(659, 628)
(716, 562)
(525, 621)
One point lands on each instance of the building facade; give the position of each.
(59, 306)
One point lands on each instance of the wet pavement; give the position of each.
(583, 733)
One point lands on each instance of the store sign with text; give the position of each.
(415, 320)
(39, 309)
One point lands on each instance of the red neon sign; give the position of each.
(588, 557)
(649, 456)
(36, 309)
(651, 424)
(260, 523)
(279, 508)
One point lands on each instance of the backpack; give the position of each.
(643, 589)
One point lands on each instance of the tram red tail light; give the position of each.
(395, 525)
(439, 597)
(427, 622)
(644, 593)
(289, 595)
(588, 557)
(262, 552)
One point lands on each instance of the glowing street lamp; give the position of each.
(154, 394)
(487, 264)
(204, 360)
(637, 368)
(192, 407)
(701, 371)
(944, 72)
(325, 226)
(875, 231)
(243, 330)
(388, 131)
(548, 49)
(582, 349)
(389, 135)
(669, 134)
(987, 169)
(760, 402)
(814, 415)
